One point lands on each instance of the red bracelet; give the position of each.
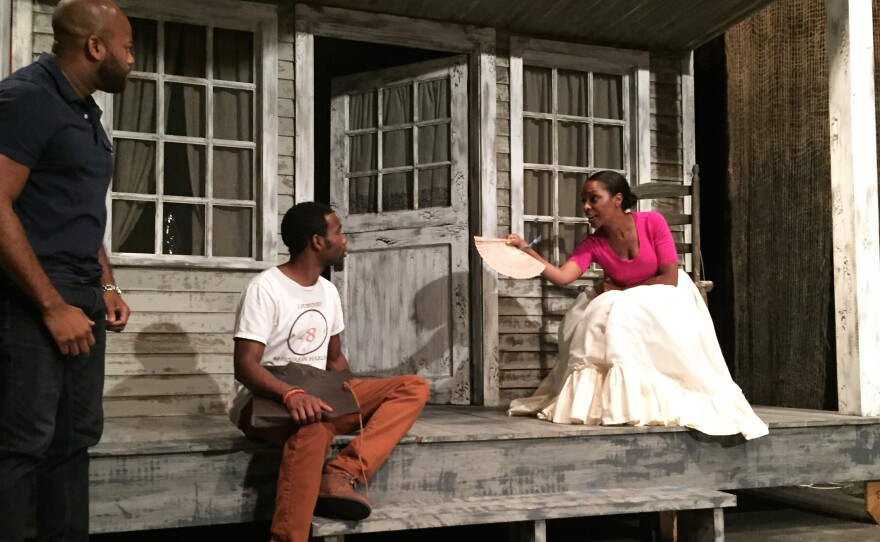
(290, 393)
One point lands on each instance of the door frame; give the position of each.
(479, 44)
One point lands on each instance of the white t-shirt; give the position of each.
(294, 322)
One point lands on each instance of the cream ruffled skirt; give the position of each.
(643, 356)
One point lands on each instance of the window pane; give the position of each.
(537, 141)
(570, 186)
(608, 90)
(569, 237)
(537, 90)
(135, 109)
(183, 229)
(143, 33)
(362, 154)
(574, 144)
(397, 148)
(233, 55)
(233, 173)
(537, 192)
(434, 188)
(185, 50)
(572, 92)
(397, 189)
(184, 170)
(134, 226)
(545, 247)
(134, 166)
(396, 105)
(608, 150)
(234, 114)
(434, 99)
(184, 110)
(433, 143)
(362, 111)
(233, 232)
(362, 195)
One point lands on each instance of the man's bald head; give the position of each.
(75, 20)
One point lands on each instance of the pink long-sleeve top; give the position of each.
(656, 248)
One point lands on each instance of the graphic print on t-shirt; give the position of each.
(308, 333)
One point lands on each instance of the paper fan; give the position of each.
(506, 259)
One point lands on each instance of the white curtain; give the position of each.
(134, 111)
(234, 116)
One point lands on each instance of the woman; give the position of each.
(641, 349)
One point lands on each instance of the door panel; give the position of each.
(399, 185)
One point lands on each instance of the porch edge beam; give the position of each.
(854, 204)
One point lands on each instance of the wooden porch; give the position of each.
(151, 473)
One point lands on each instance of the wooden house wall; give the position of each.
(530, 311)
(175, 355)
(175, 358)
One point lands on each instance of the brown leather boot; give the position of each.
(338, 499)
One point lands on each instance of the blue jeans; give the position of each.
(50, 414)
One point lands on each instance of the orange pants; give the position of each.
(389, 406)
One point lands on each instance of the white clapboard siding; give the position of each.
(181, 322)
(167, 364)
(179, 405)
(164, 343)
(176, 385)
(133, 279)
(165, 301)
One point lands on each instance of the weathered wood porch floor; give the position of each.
(150, 473)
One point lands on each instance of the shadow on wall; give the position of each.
(164, 374)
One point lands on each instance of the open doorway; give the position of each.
(392, 158)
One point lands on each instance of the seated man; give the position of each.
(290, 314)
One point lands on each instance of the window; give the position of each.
(571, 115)
(188, 181)
(399, 147)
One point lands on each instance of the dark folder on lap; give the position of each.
(326, 385)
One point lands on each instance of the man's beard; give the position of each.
(112, 75)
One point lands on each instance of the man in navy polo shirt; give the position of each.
(58, 296)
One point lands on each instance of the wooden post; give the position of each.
(668, 526)
(854, 204)
(5, 37)
(872, 500)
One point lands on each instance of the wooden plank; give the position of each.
(167, 364)
(116, 407)
(22, 28)
(524, 342)
(510, 306)
(661, 190)
(168, 385)
(183, 280)
(181, 322)
(164, 343)
(529, 324)
(511, 508)
(528, 360)
(856, 225)
(169, 301)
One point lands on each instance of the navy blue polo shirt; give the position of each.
(45, 126)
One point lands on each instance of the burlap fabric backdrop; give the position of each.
(781, 205)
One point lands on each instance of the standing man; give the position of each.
(58, 293)
(291, 314)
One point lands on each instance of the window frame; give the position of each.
(632, 65)
(262, 21)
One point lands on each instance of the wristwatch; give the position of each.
(112, 288)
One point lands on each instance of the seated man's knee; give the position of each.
(419, 386)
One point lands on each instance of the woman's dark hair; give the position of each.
(615, 183)
(301, 222)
